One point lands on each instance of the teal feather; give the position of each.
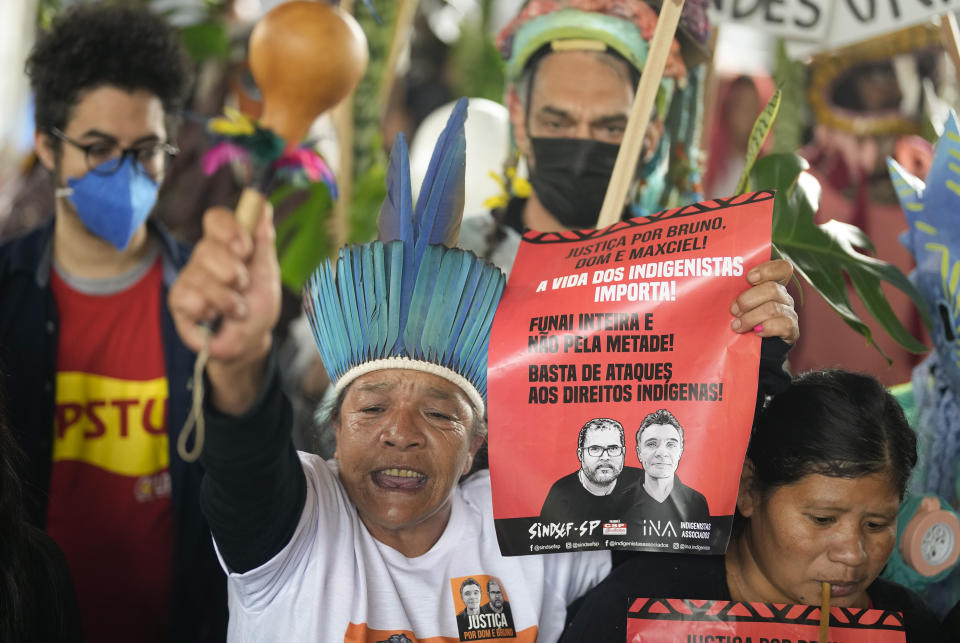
(393, 282)
(395, 221)
(476, 368)
(339, 333)
(439, 319)
(420, 301)
(409, 294)
(471, 281)
(348, 301)
(439, 208)
(364, 299)
(474, 321)
(376, 306)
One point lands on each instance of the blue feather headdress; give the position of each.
(932, 208)
(410, 300)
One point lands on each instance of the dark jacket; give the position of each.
(29, 326)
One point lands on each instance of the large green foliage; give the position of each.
(303, 238)
(827, 255)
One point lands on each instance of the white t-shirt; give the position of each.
(335, 582)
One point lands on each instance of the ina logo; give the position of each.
(658, 528)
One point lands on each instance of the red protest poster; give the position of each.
(620, 400)
(688, 621)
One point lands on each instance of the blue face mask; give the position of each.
(113, 206)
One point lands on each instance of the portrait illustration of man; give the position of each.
(600, 488)
(471, 594)
(662, 496)
(498, 605)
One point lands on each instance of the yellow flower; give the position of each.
(495, 202)
(522, 187)
(519, 187)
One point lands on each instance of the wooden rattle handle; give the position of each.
(249, 208)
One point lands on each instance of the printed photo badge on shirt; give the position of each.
(620, 398)
(483, 608)
(666, 621)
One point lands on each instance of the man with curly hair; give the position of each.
(97, 377)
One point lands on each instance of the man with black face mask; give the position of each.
(572, 71)
(95, 373)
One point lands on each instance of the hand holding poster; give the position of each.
(620, 398)
(689, 621)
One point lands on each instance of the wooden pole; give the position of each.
(403, 28)
(951, 41)
(629, 154)
(711, 89)
(344, 124)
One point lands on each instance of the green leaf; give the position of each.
(827, 255)
(761, 127)
(206, 40)
(302, 237)
(369, 191)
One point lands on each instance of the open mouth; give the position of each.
(399, 478)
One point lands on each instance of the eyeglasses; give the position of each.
(595, 450)
(105, 157)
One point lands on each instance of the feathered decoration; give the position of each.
(305, 161)
(411, 300)
(232, 123)
(244, 140)
(262, 144)
(396, 214)
(440, 204)
(932, 210)
(221, 154)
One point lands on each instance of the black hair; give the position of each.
(834, 423)
(600, 424)
(12, 534)
(466, 583)
(31, 569)
(661, 416)
(91, 46)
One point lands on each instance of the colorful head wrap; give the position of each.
(626, 26)
(410, 300)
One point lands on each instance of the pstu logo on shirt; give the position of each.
(614, 529)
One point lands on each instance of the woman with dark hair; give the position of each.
(825, 473)
(37, 600)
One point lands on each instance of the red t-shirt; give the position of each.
(109, 506)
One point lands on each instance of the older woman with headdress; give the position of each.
(377, 544)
